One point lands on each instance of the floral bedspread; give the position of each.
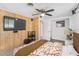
(48, 49)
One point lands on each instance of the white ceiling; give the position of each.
(61, 9)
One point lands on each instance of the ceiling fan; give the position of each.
(43, 12)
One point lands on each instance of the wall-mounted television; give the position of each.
(10, 23)
(20, 24)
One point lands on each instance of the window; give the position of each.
(8, 23)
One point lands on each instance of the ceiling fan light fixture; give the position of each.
(42, 14)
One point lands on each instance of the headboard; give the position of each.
(76, 41)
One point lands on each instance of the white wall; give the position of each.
(49, 28)
(46, 27)
(58, 32)
(74, 22)
(77, 23)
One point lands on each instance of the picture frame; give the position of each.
(60, 23)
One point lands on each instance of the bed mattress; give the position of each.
(45, 48)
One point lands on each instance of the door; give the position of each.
(45, 29)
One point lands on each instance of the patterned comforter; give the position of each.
(48, 49)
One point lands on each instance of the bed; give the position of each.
(44, 48)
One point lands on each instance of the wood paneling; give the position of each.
(9, 39)
(76, 41)
(35, 26)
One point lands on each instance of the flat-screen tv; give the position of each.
(20, 24)
(10, 23)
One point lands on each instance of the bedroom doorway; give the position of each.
(45, 29)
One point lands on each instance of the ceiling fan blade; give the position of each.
(50, 10)
(38, 10)
(49, 14)
(35, 14)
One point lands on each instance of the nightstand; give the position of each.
(31, 37)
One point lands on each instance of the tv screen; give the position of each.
(20, 24)
(10, 23)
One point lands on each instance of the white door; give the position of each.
(58, 31)
(45, 29)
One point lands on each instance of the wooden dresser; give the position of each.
(76, 41)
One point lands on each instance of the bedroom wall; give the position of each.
(49, 28)
(10, 40)
(35, 26)
(58, 33)
(74, 21)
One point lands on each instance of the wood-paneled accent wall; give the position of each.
(35, 26)
(10, 40)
